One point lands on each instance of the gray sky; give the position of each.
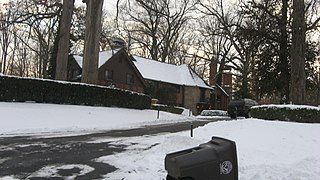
(108, 4)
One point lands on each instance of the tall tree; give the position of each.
(64, 38)
(232, 25)
(92, 37)
(271, 24)
(283, 65)
(298, 76)
(5, 38)
(31, 24)
(51, 72)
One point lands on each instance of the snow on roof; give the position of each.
(104, 56)
(169, 73)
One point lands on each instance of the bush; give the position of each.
(295, 113)
(59, 92)
(171, 109)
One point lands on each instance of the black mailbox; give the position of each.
(214, 160)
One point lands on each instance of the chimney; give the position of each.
(226, 79)
(213, 72)
(227, 82)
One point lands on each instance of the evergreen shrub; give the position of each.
(294, 113)
(171, 109)
(17, 89)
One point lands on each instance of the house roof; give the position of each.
(169, 73)
(155, 70)
(104, 56)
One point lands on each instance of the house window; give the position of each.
(108, 75)
(130, 79)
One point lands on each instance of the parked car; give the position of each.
(241, 107)
(214, 113)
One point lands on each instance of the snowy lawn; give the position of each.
(267, 150)
(35, 118)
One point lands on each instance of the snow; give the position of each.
(52, 171)
(267, 150)
(35, 118)
(169, 73)
(289, 106)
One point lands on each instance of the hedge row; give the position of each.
(58, 92)
(295, 113)
(171, 109)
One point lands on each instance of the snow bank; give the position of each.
(288, 106)
(267, 150)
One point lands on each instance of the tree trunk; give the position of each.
(64, 38)
(92, 37)
(298, 76)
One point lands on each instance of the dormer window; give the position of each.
(130, 79)
(108, 75)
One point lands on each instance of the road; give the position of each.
(22, 156)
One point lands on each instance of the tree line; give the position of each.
(269, 45)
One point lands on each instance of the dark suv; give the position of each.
(240, 107)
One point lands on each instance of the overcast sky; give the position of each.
(108, 4)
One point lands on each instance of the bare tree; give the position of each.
(231, 25)
(31, 24)
(5, 39)
(216, 46)
(155, 27)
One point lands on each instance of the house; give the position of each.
(116, 69)
(173, 84)
(170, 84)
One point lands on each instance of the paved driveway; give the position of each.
(60, 157)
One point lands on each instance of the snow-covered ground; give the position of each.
(267, 150)
(35, 118)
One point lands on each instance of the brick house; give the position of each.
(116, 69)
(171, 84)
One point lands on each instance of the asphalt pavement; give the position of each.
(22, 156)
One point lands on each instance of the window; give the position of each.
(130, 79)
(108, 75)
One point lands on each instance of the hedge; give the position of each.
(171, 109)
(294, 113)
(17, 89)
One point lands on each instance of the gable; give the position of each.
(108, 60)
